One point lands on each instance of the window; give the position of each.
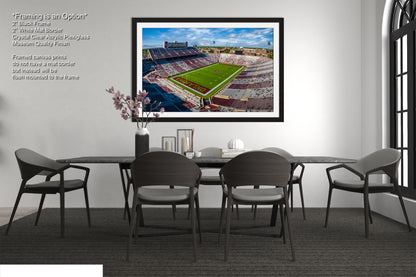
(402, 90)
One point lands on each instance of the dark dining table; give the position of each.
(124, 163)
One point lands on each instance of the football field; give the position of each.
(204, 82)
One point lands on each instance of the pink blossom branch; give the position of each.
(135, 107)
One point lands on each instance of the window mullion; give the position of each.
(402, 90)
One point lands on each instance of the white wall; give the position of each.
(323, 94)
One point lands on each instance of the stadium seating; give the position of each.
(169, 53)
(251, 90)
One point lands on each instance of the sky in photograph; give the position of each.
(228, 37)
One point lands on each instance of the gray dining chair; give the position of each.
(255, 168)
(32, 164)
(130, 184)
(153, 175)
(294, 179)
(153, 149)
(213, 179)
(209, 179)
(383, 161)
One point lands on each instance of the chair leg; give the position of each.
(236, 209)
(141, 219)
(282, 223)
(134, 215)
(328, 205)
(198, 218)
(399, 194)
(301, 199)
(62, 208)
(138, 216)
(273, 216)
(19, 195)
(291, 196)
(42, 199)
(87, 205)
(254, 207)
(288, 224)
(224, 199)
(227, 227)
(369, 213)
(173, 212)
(189, 212)
(173, 207)
(366, 212)
(193, 228)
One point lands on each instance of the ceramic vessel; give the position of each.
(236, 144)
(141, 141)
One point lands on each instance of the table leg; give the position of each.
(125, 182)
(128, 178)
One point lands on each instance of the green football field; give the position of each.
(204, 82)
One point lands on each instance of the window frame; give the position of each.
(403, 24)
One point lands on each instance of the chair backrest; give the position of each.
(32, 163)
(279, 151)
(387, 158)
(164, 168)
(256, 168)
(211, 152)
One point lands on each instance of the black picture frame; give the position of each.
(273, 105)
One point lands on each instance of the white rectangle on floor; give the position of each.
(51, 270)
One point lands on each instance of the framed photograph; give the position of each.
(185, 140)
(210, 69)
(169, 143)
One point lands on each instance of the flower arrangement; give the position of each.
(138, 108)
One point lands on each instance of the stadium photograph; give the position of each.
(212, 69)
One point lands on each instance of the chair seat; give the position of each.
(210, 180)
(164, 195)
(358, 184)
(257, 195)
(53, 186)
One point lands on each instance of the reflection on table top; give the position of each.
(202, 161)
